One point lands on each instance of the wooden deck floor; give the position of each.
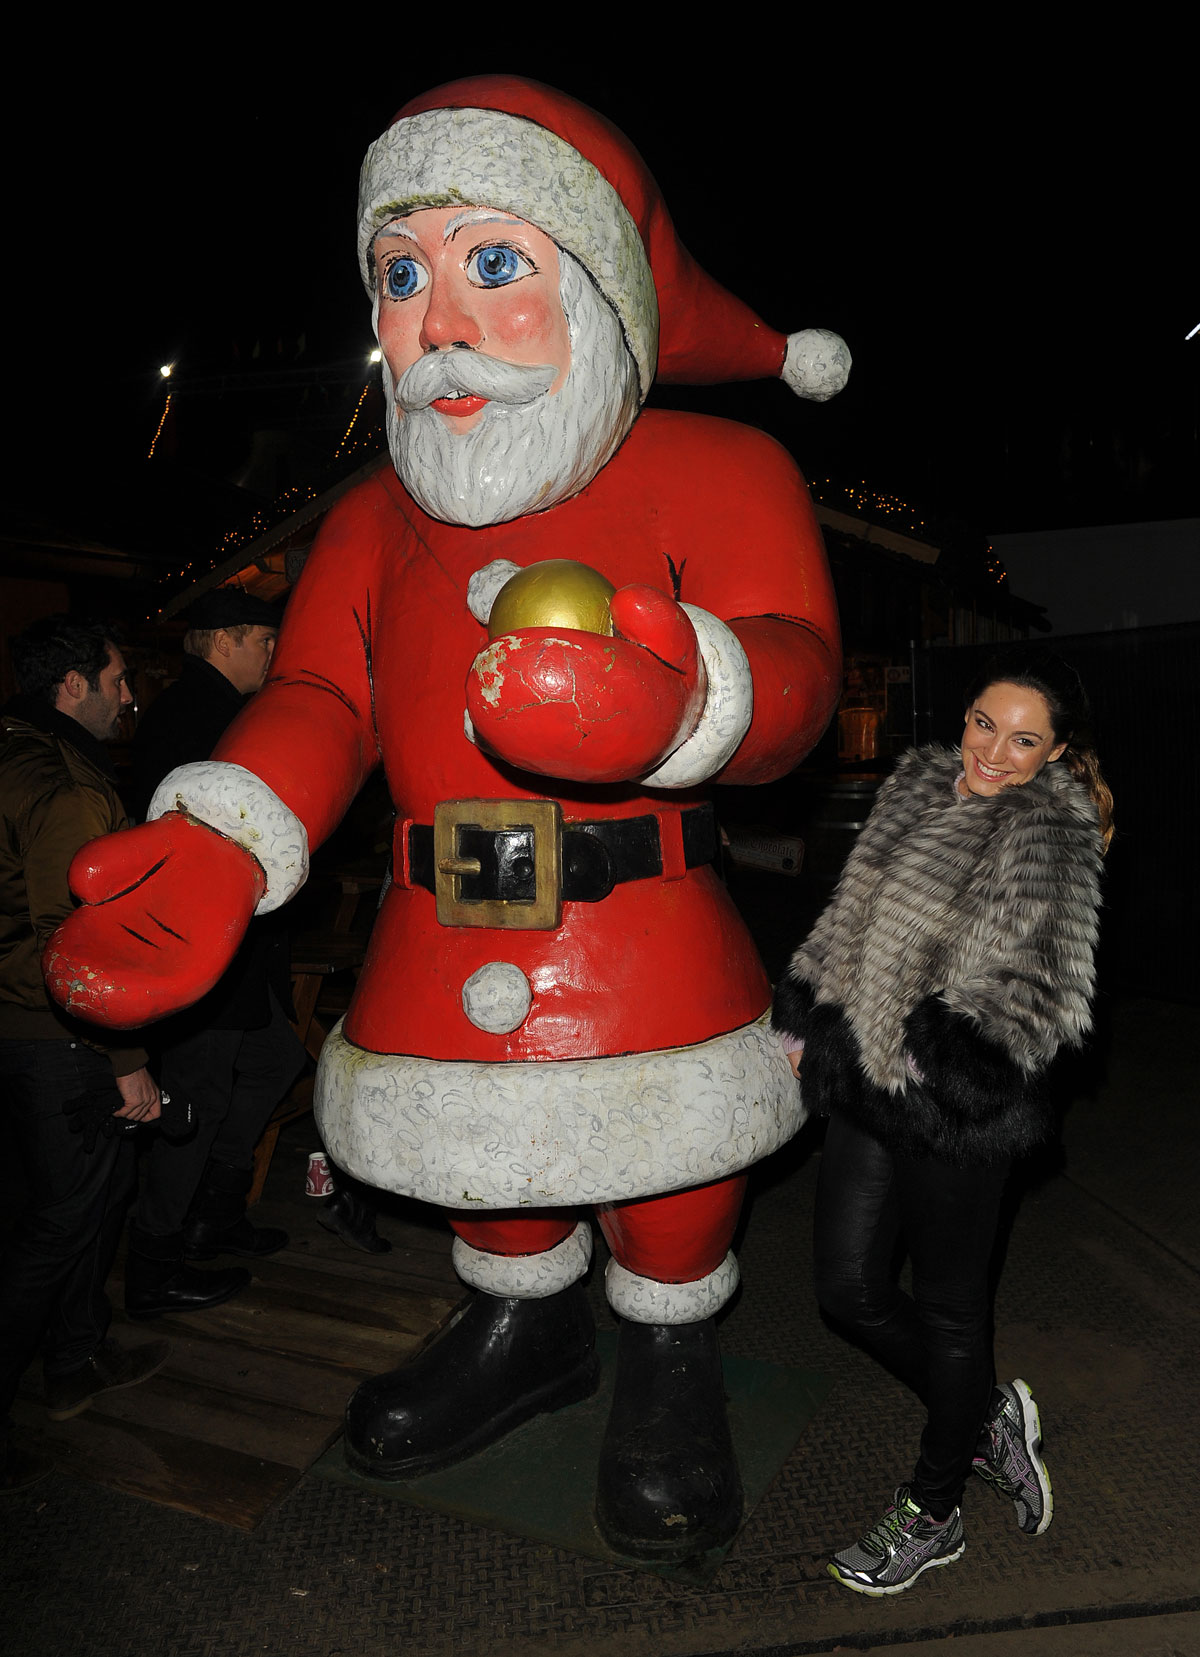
(254, 1390)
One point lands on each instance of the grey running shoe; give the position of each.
(1010, 1456)
(904, 1543)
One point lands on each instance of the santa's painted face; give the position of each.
(477, 280)
(507, 378)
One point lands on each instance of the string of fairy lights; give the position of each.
(872, 503)
(881, 508)
(283, 505)
(162, 422)
(362, 397)
(859, 498)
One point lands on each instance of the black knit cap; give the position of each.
(231, 607)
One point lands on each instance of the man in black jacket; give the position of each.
(228, 1060)
(68, 1091)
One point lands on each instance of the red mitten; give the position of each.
(164, 908)
(587, 707)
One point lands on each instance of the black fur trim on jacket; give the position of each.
(793, 1003)
(921, 1123)
(959, 1063)
(830, 1075)
(830, 1066)
(971, 1104)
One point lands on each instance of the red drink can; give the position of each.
(318, 1182)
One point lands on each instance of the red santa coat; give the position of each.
(371, 666)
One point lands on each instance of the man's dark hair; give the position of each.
(49, 649)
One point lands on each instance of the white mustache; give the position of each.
(440, 373)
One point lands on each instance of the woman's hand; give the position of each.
(793, 1046)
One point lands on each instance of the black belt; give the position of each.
(481, 863)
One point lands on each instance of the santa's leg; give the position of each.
(668, 1485)
(524, 1344)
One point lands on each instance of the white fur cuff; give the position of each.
(525, 1276)
(727, 711)
(484, 585)
(816, 365)
(643, 1300)
(240, 806)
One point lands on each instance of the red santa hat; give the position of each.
(500, 141)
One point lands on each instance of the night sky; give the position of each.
(1002, 235)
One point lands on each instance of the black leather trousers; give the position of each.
(938, 1339)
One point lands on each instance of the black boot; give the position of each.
(157, 1281)
(109, 1368)
(217, 1222)
(499, 1363)
(669, 1487)
(351, 1216)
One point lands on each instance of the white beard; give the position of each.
(535, 449)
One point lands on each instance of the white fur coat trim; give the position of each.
(555, 1133)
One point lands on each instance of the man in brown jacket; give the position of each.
(68, 1094)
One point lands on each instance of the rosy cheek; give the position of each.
(398, 338)
(534, 326)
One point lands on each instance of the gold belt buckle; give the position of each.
(544, 818)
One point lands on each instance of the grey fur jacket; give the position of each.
(953, 961)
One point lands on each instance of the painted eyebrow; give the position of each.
(395, 227)
(1039, 735)
(479, 215)
(461, 221)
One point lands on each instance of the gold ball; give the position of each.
(558, 592)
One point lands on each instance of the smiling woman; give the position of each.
(954, 961)
(1008, 738)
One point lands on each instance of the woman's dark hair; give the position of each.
(1061, 688)
(49, 649)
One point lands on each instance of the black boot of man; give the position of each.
(157, 1281)
(501, 1362)
(217, 1221)
(668, 1487)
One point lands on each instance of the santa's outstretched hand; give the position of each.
(163, 909)
(591, 707)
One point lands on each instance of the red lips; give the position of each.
(458, 408)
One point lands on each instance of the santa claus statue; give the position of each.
(560, 1010)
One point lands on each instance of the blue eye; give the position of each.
(493, 267)
(403, 278)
